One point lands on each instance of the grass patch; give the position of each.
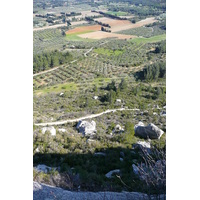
(153, 39)
(57, 88)
(79, 33)
(117, 13)
(108, 52)
(75, 37)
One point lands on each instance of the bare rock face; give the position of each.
(44, 192)
(148, 132)
(86, 128)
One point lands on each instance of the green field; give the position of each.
(153, 39)
(75, 37)
(117, 13)
(58, 88)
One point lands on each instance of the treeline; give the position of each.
(142, 8)
(103, 24)
(105, 30)
(72, 14)
(152, 72)
(49, 60)
(91, 19)
(161, 4)
(110, 15)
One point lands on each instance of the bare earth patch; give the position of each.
(102, 34)
(83, 29)
(78, 23)
(120, 25)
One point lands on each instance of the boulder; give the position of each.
(163, 113)
(51, 129)
(135, 169)
(118, 129)
(43, 168)
(109, 174)
(148, 132)
(62, 130)
(86, 128)
(118, 100)
(95, 97)
(143, 144)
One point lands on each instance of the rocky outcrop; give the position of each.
(43, 168)
(142, 144)
(109, 174)
(44, 192)
(118, 129)
(86, 128)
(148, 132)
(51, 129)
(135, 169)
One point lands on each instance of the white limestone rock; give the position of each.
(51, 129)
(43, 168)
(148, 132)
(86, 128)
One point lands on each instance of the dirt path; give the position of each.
(85, 54)
(82, 118)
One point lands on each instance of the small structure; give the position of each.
(61, 94)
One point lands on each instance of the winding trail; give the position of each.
(85, 54)
(85, 117)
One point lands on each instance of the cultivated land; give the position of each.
(94, 31)
(119, 25)
(117, 79)
(101, 35)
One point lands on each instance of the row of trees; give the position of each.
(104, 29)
(152, 72)
(48, 60)
(155, 71)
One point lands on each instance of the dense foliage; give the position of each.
(48, 60)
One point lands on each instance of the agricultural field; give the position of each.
(108, 70)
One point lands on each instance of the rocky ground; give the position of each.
(46, 192)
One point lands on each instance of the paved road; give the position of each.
(82, 118)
